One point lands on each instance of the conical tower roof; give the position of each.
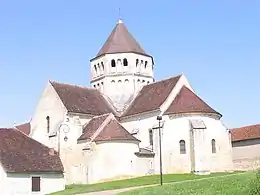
(120, 41)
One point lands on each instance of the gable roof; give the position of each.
(114, 131)
(245, 133)
(152, 96)
(188, 102)
(25, 128)
(82, 99)
(19, 153)
(119, 41)
(91, 127)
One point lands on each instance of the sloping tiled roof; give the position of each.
(188, 102)
(120, 40)
(81, 99)
(152, 96)
(92, 126)
(114, 131)
(245, 133)
(25, 128)
(19, 153)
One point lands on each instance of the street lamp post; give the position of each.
(159, 118)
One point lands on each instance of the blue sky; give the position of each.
(216, 44)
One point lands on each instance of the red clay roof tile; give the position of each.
(114, 131)
(245, 133)
(120, 40)
(19, 153)
(152, 96)
(91, 127)
(82, 100)
(188, 102)
(25, 128)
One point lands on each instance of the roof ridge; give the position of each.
(72, 85)
(101, 115)
(165, 79)
(244, 126)
(102, 126)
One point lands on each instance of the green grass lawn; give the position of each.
(231, 185)
(140, 181)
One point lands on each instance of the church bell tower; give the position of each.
(121, 67)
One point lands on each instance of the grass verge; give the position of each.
(231, 185)
(139, 181)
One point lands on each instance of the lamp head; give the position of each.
(159, 117)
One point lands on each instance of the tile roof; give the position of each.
(245, 133)
(152, 96)
(120, 40)
(25, 128)
(91, 127)
(81, 99)
(188, 102)
(114, 131)
(19, 153)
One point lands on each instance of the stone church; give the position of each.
(110, 130)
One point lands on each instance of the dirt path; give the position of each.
(114, 192)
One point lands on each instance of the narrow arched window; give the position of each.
(213, 146)
(145, 64)
(113, 82)
(102, 65)
(125, 62)
(126, 81)
(113, 63)
(182, 147)
(95, 67)
(151, 137)
(48, 124)
(137, 62)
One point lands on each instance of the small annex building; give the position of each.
(27, 166)
(246, 147)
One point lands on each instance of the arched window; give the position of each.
(143, 81)
(125, 62)
(137, 62)
(94, 86)
(145, 64)
(126, 81)
(151, 137)
(213, 146)
(142, 62)
(102, 66)
(48, 124)
(95, 67)
(182, 147)
(98, 84)
(119, 81)
(113, 63)
(148, 82)
(113, 82)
